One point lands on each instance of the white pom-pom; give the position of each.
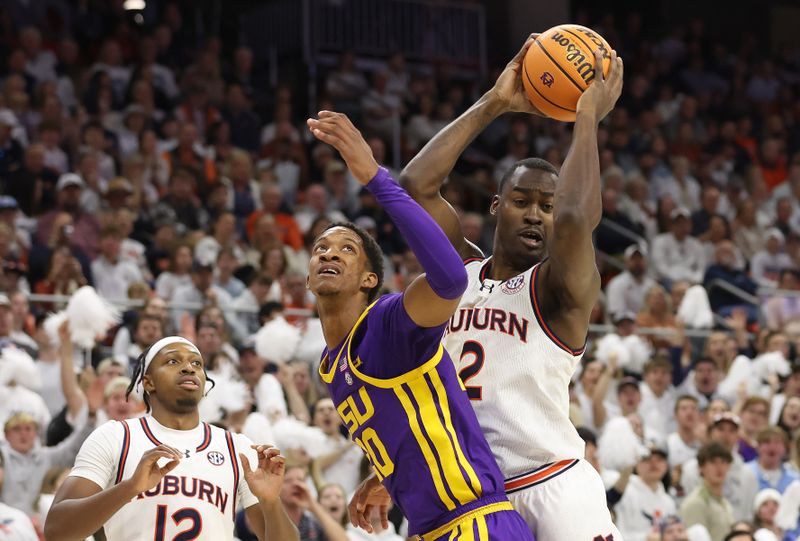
(789, 507)
(17, 367)
(697, 532)
(89, 316)
(695, 310)
(611, 346)
(619, 447)
(277, 341)
(639, 352)
(741, 370)
(52, 324)
(227, 396)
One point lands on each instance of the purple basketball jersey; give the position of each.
(399, 396)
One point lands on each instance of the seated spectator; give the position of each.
(223, 235)
(86, 228)
(607, 239)
(766, 506)
(242, 188)
(706, 504)
(725, 269)
(346, 85)
(755, 418)
(22, 323)
(224, 278)
(317, 207)
(248, 302)
(782, 312)
(113, 274)
(770, 470)
(180, 206)
(177, 275)
(286, 227)
(64, 274)
(679, 184)
(709, 207)
(626, 291)
(677, 255)
(768, 262)
(307, 514)
(682, 445)
(748, 234)
(339, 461)
(380, 107)
(657, 313)
(124, 341)
(200, 292)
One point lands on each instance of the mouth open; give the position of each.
(189, 385)
(329, 270)
(532, 239)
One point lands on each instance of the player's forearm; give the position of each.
(425, 174)
(73, 395)
(577, 197)
(277, 524)
(443, 266)
(77, 519)
(296, 404)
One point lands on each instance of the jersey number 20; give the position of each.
(187, 513)
(471, 347)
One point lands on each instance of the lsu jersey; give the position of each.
(398, 395)
(198, 499)
(515, 369)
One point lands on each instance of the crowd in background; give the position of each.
(165, 171)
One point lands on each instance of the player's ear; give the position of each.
(369, 280)
(494, 204)
(147, 384)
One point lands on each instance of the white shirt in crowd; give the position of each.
(112, 280)
(658, 411)
(639, 506)
(167, 282)
(679, 451)
(766, 268)
(15, 525)
(626, 293)
(678, 260)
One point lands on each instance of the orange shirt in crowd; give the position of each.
(288, 230)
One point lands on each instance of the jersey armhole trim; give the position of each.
(540, 319)
(235, 466)
(123, 454)
(469, 260)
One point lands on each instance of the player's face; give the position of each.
(22, 437)
(339, 264)
(176, 378)
(524, 212)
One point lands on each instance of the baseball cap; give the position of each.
(725, 417)
(766, 495)
(69, 179)
(775, 233)
(201, 264)
(19, 418)
(680, 212)
(335, 166)
(249, 344)
(626, 382)
(7, 118)
(7, 203)
(635, 249)
(656, 448)
(4, 301)
(624, 316)
(119, 184)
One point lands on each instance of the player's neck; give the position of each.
(337, 317)
(501, 269)
(173, 420)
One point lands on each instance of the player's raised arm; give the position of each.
(431, 299)
(424, 175)
(570, 277)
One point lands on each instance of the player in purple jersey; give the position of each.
(393, 384)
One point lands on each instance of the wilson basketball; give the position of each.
(559, 66)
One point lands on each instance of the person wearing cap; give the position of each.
(676, 255)
(644, 498)
(626, 291)
(767, 263)
(200, 292)
(770, 468)
(706, 504)
(766, 505)
(121, 460)
(68, 199)
(741, 485)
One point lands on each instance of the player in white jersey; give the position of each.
(203, 480)
(521, 326)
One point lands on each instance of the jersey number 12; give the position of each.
(471, 347)
(187, 513)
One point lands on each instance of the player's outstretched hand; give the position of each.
(266, 480)
(370, 494)
(598, 100)
(148, 473)
(337, 130)
(508, 87)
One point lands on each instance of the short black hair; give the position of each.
(528, 163)
(713, 450)
(373, 251)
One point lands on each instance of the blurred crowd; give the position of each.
(165, 170)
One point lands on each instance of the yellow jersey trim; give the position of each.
(327, 372)
(467, 517)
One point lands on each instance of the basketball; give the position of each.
(559, 66)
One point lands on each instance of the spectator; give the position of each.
(677, 255)
(755, 418)
(85, 226)
(657, 313)
(680, 185)
(286, 227)
(113, 275)
(768, 262)
(224, 278)
(726, 270)
(177, 275)
(748, 234)
(770, 470)
(201, 291)
(607, 238)
(309, 516)
(189, 157)
(33, 184)
(346, 85)
(242, 189)
(627, 290)
(223, 236)
(339, 460)
(783, 311)
(682, 445)
(179, 206)
(706, 504)
(658, 396)
(766, 506)
(709, 207)
(380, 107)
(334, 500)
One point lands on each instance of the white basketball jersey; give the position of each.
(197, 500)
(516, 371)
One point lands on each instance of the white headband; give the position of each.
(161, 344)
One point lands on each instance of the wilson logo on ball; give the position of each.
(216, 458)
(547, 79)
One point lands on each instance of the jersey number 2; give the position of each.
(471, 347)
(187, 513)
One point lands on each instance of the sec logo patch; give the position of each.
(216, 458)
(514, 285)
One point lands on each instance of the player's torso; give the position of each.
(516, 374)
(196, 500)
(420, 435)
